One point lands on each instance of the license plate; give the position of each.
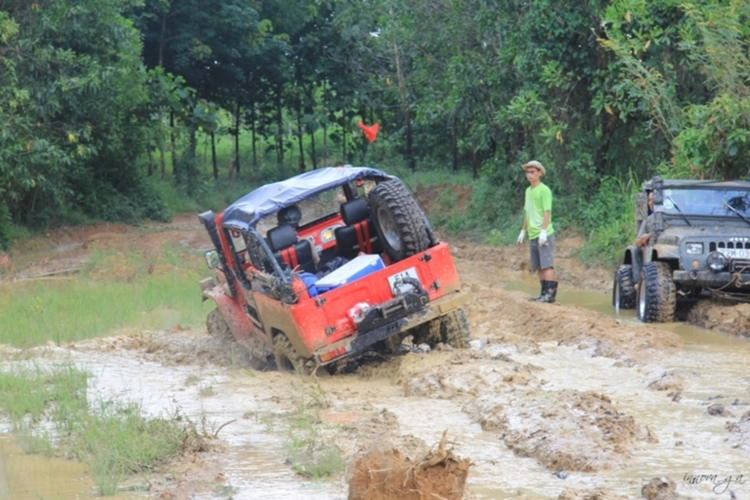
(736, 253)
(397, 281)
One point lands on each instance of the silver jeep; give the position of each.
(700, 246)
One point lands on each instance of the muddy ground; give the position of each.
(552, 401)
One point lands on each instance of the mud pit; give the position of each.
(550, 402)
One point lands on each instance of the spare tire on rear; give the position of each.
(398, 220)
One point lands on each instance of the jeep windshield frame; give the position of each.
(705, 201)
(700, 199)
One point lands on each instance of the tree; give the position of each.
(73, 112)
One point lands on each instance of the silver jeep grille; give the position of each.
(718, 245)
(740, 265)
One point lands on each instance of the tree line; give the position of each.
(96, 96)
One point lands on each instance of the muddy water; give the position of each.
(33, 477)
(690, 440)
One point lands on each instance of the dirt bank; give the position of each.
(552, 401)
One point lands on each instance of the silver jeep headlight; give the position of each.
(717, 261)
(694, 248)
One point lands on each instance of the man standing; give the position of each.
(538, 221)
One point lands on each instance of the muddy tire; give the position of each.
(287, 359)
(623, 288)
(217, 326)
(258, 354)
(451, 329)
(398, 220)
(656, 294)
(389, 346)
(454, 329)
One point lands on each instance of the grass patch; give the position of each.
(51, 414)
(115, 291)
(309, 452)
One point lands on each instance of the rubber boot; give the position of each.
(539, 297)
(551, 293)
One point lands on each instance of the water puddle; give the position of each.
(34, 477)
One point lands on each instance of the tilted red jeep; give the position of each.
(328, 264)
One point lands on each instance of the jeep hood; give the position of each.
(269, 199)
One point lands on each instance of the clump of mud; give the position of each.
(740, 433)
(574, 494)
(177, 346)
(564, 431)
(388, 473)
(660, 488)
(669, 381)
(721, 315)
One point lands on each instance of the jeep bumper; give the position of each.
(712, 279)
(361, 341)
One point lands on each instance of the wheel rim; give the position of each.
(641, 300)
(388, 226)
(617, 296)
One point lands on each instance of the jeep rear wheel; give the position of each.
(287, 359)
(656, 293)
(623, 288)
(398, 220)
(454, 329)
(451, 329)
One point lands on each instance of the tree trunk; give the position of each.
(161, 39)
(213, 156)
(405, 109)
(475, 164)
(279, 131)
(150, 161)
(313, 156)
(454, 144)
(237, 110)
(252, 128)
(343, 143)
(300, 135)
(325, 144)
(172, 146)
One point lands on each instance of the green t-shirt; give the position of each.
(538, 201)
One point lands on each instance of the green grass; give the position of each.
(115, 291)
(308, 450)
(114, 439)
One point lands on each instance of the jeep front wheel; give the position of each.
(398, 220)
(623, 288)
(287, 359)
(656, 293)
(217, 326)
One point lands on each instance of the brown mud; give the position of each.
(555, 388)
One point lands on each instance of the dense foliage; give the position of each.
(97, 95)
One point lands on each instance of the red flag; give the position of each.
(370, 132)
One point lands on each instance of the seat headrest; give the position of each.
(354, 211)
(281, 237)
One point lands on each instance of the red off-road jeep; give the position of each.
(328, 264)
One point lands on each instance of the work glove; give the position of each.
(543, 237)
(521, 236)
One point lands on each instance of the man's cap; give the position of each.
(535, 164)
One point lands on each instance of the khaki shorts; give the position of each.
(541, 256)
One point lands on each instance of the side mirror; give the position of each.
(212, 259)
